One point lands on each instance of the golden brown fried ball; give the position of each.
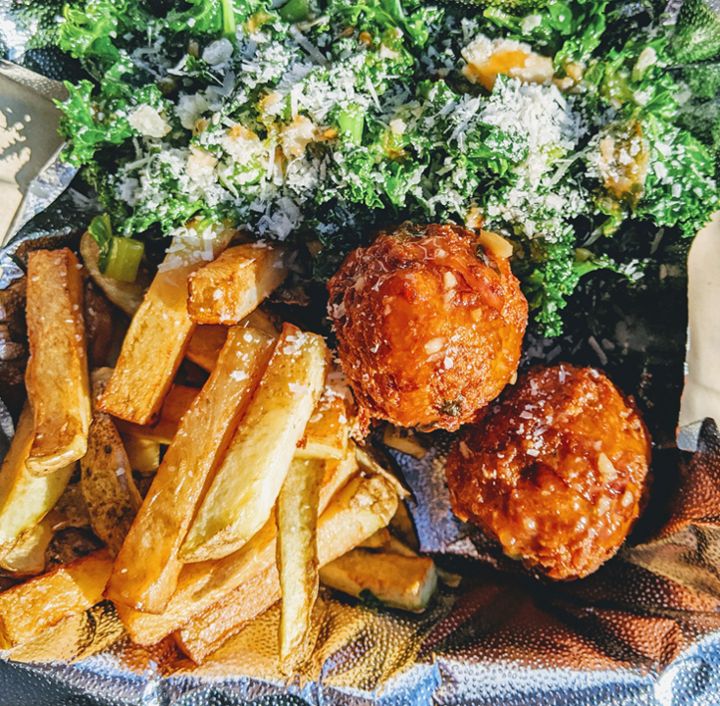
(556, 471)
(429, 323)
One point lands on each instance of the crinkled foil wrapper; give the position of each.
(644, 629)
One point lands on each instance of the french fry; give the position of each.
(367, 457)
(25, 498)
(103, 327)
(247, 482)
(344, 526)
(382, 539)
(27, 557)
(143, 454)
(57, 375)
(406, 582)
(25, 610)
(205, 345)
(161, 433)
(357, 511)
(326, 434)
(72, 639)
(203, 636)
(297, 516)
(207, 339)
(125, 295)
(260, 551)
(264, 321)
(200, 586)
(228, 289)
(177, 403)
(337, 473)
(402, 526)
(378, 540)
(71, 509)
(147, 568)
(106, 479)
(158, 335)
(405, 441)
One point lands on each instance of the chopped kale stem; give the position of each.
(579, 130)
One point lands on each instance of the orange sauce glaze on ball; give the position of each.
(556, 471)
(428, 331)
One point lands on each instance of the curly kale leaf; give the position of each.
(412, 17)
(549, 273)
(679, 189)
(86, 124)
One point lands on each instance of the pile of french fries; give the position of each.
(213, 501)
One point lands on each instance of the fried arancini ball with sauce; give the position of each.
(429, 322)
(556, 471)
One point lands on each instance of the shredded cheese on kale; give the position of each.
(367, 113)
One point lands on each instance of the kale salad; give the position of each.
(584, 131)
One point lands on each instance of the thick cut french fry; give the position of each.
(251, 599)
(402, 526)
(158, 335)
(205, 345)
(27, 557)
(28, 609)
(147, 568)
(378, 540)
(362, 507)
(125, 295)
(359, 510)
(390, 544)
(405, 441)
(337, 473)
(72, 639)
(57, 374)
(143, 454)
(326, 434)
(367, 458)
(264, 321)
(161, 433)
(228, 289)
(106, 477)
(103, 327)
(247, 482)
(25, 498)
(406, 582)
(71, 509)
(297, 515)
(221, 577)
(177, 403)
(207, 339)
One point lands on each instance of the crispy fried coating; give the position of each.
(556, 471)
(429, 323)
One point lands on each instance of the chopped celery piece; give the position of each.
(351, 121)
(123, 259)
(228, 19)
(294, 11)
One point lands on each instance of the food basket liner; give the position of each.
(644, 629)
